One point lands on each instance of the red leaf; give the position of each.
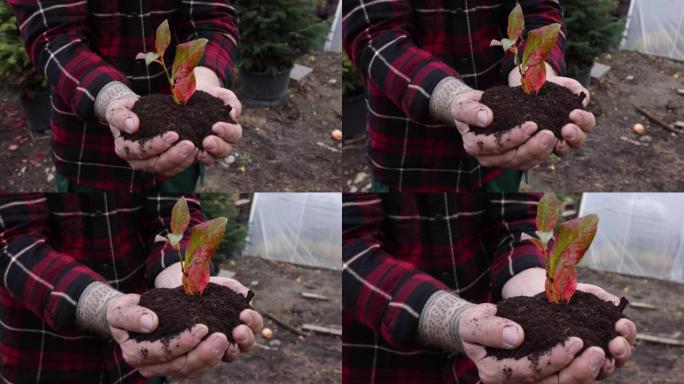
(184, 89)
(180, 217)
(163, 38)
(204, 240)
(533, 78)
(539, 43)
(188, 55)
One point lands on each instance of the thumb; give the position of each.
(120, 116)
(124, 313)
(467, 109)
(493, 331)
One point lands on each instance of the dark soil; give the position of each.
(550, 109)
(218, 308)
(546, 325)
(158, 113)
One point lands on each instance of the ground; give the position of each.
(286, 148)
(287, 358)
(653, 161)
(651, 362)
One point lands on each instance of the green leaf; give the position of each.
(507, 43)
(163, 38)
(188, 55)
(539, 43)
(204, 239)
(151, 57)
(516, 24)
(548, 212)
(180, 217)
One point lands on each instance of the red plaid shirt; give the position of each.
(404, 48)
(83, 45)
(398, 249)
(53, 246)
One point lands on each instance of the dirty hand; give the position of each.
(480, 328)
(227, 134)
(244, 334)
(520, 148)
(161, 154)
(582, 122)
(186, 355)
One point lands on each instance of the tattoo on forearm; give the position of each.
(91, 310)
(110, 92)
(440, 100)
(438, 323)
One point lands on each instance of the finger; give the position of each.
(620, 349)
(233, 284)
(479, 145)
(205, 158)
(607, 369)
(574, 86)
(562, 148)
(127, 149)
(231, 133)
(216, 147)
(232, 353)
(125, 314)
(120, 116)
(252, 319)
(529, 154)
(573, 135)
(207, 354)
(471, 112)
(174, 160)
(485, 329)
(527, 371)
(145, 352)
(627, 329)
(583, 119)
(598, 292)
(584, 368)
(243, 337)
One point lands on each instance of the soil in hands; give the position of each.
(550, 109)
(546, 325)
(218, 308)
(158, 113)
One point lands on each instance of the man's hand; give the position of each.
(520, 148)
(160, 154)
(582, 122)
(480, 328)
(227, 134)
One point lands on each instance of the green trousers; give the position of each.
(183, 182)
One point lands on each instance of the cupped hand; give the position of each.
(161, 154)
(519, 148)
(480, 328)
(226, 134)
(582, 122)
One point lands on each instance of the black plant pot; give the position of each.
(583, 76)
(353, 116)
(261, 89)
(37, 108)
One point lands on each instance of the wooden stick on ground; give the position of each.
(656, 120)
(281, 323)
(315, 296)
(660, 339)
(637, 304)
(319, 329)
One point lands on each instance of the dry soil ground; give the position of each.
(285, 148)
(287, 358)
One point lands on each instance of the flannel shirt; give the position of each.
(400, 248)
(82, 45)
(53, 247)
(403, 49)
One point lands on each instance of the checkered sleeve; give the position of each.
(539, 13)
(47, 282)
(217, 22)
(508, 216)
(157, 222)
(377, 39)
(56, 38)
(382, 292)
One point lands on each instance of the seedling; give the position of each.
(539, 43)
(188, 55)
(204, 239)
(563, 247)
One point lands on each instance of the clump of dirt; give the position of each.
(218, 308)
(547, 325)
(158, 114)
(549, 109)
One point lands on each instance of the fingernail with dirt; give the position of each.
(483, 117)
(170, 138)
(130, 124)
(548, 139)
(211, 145)
(510, 336)
(147, 322)
(574, 346)
(596, 360)
(219, 345)
(572, 135)
(529, 128)
(187, 149)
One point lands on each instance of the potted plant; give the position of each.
(353, 100)
(273, 34)
(546, 103)
(189, 113)
(196, 300)
(592, 29)
(573, 313)
(17, 71)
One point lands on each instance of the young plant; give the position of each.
(563, 247)
(188, 55)
(204, 239)
(539, 43)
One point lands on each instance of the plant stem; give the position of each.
(166, 71)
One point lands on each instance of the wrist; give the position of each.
(442, 97)
(438, 323)
(111, 91)
(528, 282)
(91, 309)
